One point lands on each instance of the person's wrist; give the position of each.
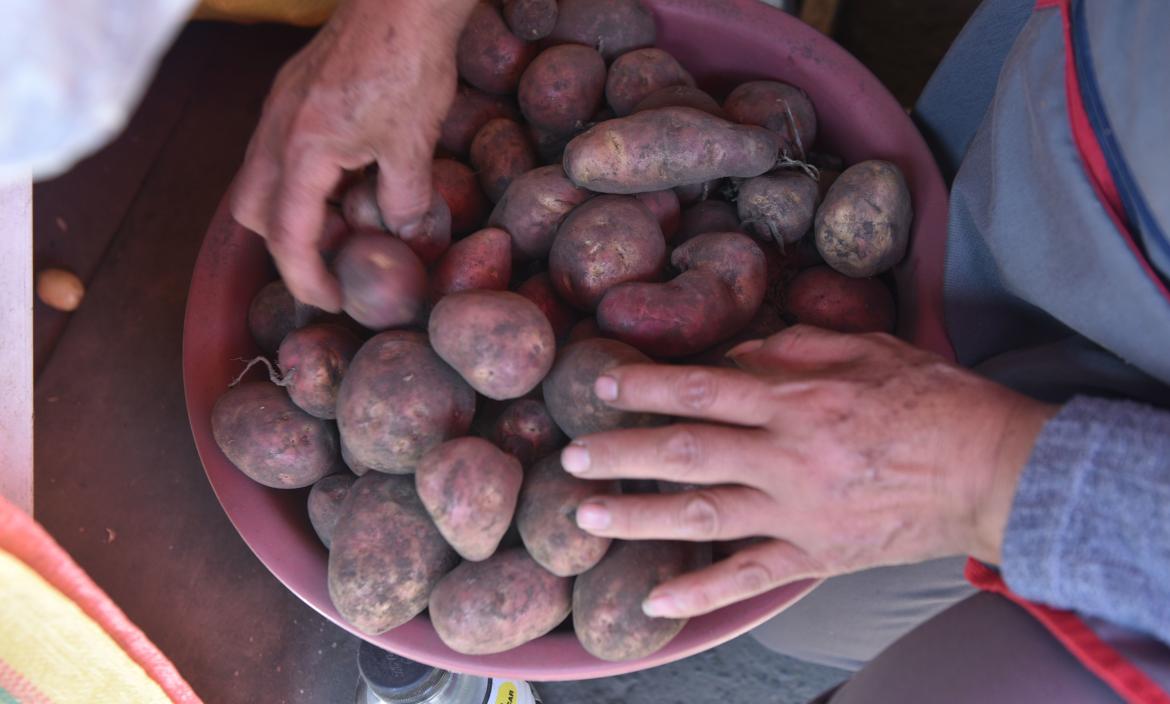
(1023, 419)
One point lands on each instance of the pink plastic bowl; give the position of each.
(722, 44)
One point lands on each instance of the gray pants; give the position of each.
(920, 634)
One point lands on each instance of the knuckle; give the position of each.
(700, 516)
(681, 450)
(752, 577)
(696, 390)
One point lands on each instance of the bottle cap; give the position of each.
(394, 678)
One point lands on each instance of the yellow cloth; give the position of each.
(51, 652)
(302, 12)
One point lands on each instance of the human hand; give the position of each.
(843, 451)
(372, 86)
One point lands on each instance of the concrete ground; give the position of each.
(119, 484)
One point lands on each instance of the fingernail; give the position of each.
(660, 606)
(606, 388)
(575, 459)
(744, 348)
(593, 516)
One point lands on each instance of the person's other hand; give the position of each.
(843, 451)
(372, 86)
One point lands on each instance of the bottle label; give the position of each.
(510, 692)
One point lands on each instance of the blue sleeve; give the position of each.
(1089, 528)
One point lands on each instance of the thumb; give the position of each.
(404, 183)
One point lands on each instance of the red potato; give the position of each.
(707, 216)
(827, 299)
(767, 322)
(469, 487)
(720, 289)
(863, 224)
(489, 56)
(680, 96)
(637, 74)
(479, 261)
(496, 605)
(500, 152)
(526, 431)
(498, 341)
(428, 239)
(562, 88)
(665, 208)
(470, 111)
(607, 600)
(399, 400)
(613, 27)
(459, 188)
(383, 283)
(269, 439)
(539, 289)
(533, 208)
(274, 313)
(568, 388)
(584, 330)
(313, 360)
(386, 555)
(664, 148)
(604, 242)
(530, 19)
(778, 206)
(545, 516)
(325, 501)
(782, 108)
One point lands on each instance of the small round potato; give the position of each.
(562, 88)
(526, 431)
(778, 206)
(489, 56)
(637, 74)
(498, 604)
(545, 517)
(863, 224)
(480, 261)
(471, 110)
(533, 207)
(778, 106)
(470, 487)
(828, 299)
(613, 27)
(568, 388)
(269, 439)
(383, 283)
(459, 188)
(313, 360)
(500, 153)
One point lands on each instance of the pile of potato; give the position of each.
(593, 208)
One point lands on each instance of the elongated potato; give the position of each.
(268, 438)
(664, 148)
(526, 431)
(863, 224)
(782, 108)
(721, 286)
(386, 554)
(469, 112)
(383, 283)
(325, 501)
(530, 19)
(470, 487)
(828, 299)
(562, 88)
(604, 242)
(534, 206)
(607, 600)
(399, 400)
(539, 289)
(498, 604)
(680, 96)
(489, 56)
(637, 74)
(545, 516)
(480, 261)
(568, 388)
(778, 206)
(314, 360)
(498, 341)
(613, 27)
(501, 152)
(459, 188)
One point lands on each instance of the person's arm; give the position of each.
(1090, 523)
(372, 87)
